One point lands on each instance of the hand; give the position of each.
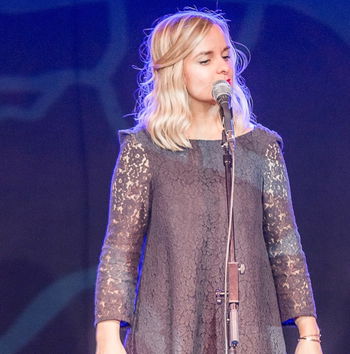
(111, 347)
(308, 347)
(307, 326)
(108, 339)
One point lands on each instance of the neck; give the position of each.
(205, 122)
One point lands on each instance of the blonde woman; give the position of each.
(168, 203)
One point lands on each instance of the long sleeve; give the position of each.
(127, 224)
(286, 256)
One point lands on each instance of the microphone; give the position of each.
(221, 92)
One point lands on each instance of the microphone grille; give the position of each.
(220, 88)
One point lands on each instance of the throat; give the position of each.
(205, 130)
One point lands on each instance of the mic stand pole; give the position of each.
(234, 268)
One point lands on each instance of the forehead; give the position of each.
(214, 40)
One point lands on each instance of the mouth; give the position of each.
(229, 81)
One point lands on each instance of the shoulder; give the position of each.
(136, 136)
(261, 138)
(133, 149)
(266, 136)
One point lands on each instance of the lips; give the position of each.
(229, 81)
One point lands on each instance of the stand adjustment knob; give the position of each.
(219, 294)
(241, 268)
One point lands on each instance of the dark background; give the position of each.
(66, 81)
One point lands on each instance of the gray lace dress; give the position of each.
(172, 205)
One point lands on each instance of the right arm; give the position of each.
(127, 224)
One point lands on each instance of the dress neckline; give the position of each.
(220, 140)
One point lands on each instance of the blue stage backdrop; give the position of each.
(66, 81)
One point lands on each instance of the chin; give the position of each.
(210, 101)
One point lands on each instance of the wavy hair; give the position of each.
(162, 104)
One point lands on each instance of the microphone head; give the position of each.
(221, 91)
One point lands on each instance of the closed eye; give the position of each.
(203, 62)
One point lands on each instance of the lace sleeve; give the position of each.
(127, 223)
(287, 258)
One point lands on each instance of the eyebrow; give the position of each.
(211, 52)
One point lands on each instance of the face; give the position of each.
(209, 62)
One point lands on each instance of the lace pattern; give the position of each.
(286, 256)
(128, 218)
(176, 311)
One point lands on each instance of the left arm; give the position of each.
(308, 329)
(287, 259)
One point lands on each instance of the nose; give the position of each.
(223, 67)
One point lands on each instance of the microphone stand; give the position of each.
(232, 267)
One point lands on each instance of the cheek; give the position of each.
(191, 75)
(198, 87)
(198, 82)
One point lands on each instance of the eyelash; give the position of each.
(203, 62)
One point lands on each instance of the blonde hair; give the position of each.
(162, 106)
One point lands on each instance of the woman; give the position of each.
(169, 184)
